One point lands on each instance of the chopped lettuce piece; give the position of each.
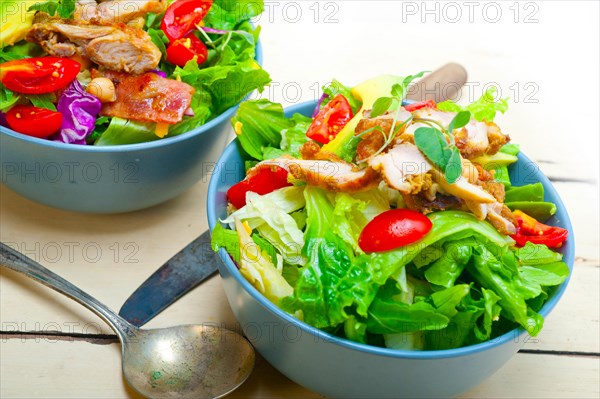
(288, 199)
(483, 109)
(446, 269)
(445, 225)
(511, 287)
(257, 268)
(387, 315)
(224, 238)
(258, 125)
(330, 282)
(353, 212)
(269, 214)
(124, 131)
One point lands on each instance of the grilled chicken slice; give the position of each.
(124, 11)
(116, 11)
(117, 47)
(374, 132)
(338, 176)
(85, 10)
(496, 213)
(398, 164)
(147, 97)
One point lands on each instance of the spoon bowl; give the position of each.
(191, 361)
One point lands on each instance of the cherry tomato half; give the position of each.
(418, 105)
(182, 50)
(330, 120)
(392, 229)
(267, 179)
(181, 17)
(33, 121)
(38, 75)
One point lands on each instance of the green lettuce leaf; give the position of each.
(353, 212)
(389, 315)
(511, 287)
(484, 109)
(330, 283)
(446, 269)
(265, 133)
(256, 266)
(229, 14)
(446, 224)
(220, 237)
(269, 215)
(123, 131)
(7, 98)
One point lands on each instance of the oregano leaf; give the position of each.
(381, 106)
(460, 120)
(397, 91)
(433, 144)
(453, 168)
(66, 8)
(49, 7)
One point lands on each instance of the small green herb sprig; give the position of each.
(385, 104)
(64, 8)
(437, 143)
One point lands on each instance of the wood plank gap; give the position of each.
(556, 179)
(591, 262)
(559, 353)
(101, 339)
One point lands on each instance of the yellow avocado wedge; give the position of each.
(15, 20)
(368, 92)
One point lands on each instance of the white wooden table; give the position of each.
(543, 54)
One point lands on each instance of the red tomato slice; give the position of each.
(330, 120)
(530, 230)
(33, 121)
(392, 229)
(182, 50)
(38, 75)
(422, 104)
(267, 179)
(182, 16)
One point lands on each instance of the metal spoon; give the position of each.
(193, 361)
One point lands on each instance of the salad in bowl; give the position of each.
(389, 223)
(121, 72)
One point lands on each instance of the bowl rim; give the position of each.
(512, 335)
(224, 116)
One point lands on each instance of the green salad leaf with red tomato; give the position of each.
(408, 235)
(195, 59)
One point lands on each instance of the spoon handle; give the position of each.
(20, 263)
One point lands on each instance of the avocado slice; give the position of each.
(539, 210)
(489, 162)
(15, 20)
(367, 92)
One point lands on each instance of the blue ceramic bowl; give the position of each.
(111, 179)
(340, 368)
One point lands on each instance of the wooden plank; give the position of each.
(573, 325)
(542, 376)
(46, 368)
